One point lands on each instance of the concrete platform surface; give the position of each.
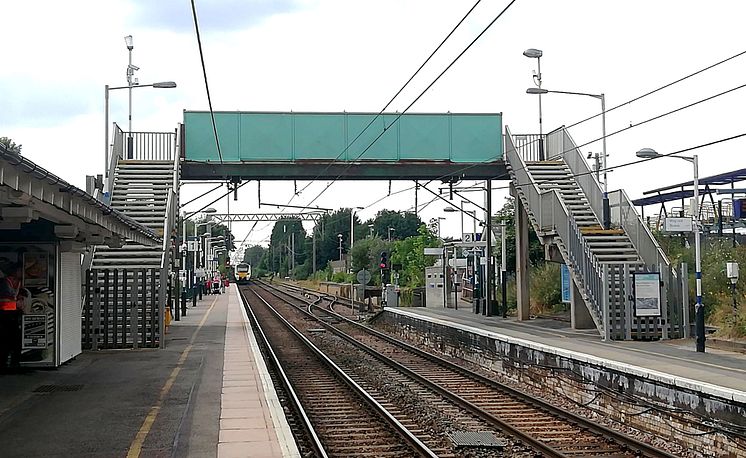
(717, 372)
(205, 395)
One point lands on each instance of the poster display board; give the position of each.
(34, 264)
(34, 332)
(647, 294)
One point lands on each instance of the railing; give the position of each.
(150, 146)
(587, 267)
(117, 153)
(561, 146)
(528, 146)
(624, 215)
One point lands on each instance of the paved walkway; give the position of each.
(677, 358)
(170, 402)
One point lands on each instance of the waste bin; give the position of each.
(418, 297)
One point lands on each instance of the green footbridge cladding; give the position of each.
(296, 145)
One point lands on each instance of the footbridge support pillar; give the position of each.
(521, 258)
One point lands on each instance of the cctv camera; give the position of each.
(134, 67)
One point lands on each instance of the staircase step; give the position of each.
(597, 230)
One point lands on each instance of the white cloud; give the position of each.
(334, 55)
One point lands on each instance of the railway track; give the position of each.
(548, 430)
(338, 417)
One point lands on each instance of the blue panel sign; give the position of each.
(565, 281)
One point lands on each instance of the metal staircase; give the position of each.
(127, 286)
(141, 191)
(564, 203)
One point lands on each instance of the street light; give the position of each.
(533, 53)
(539, 91)
(390, 230)
(370, 228)
(131, 83)
(352, 229)
(339, 236)
(699, 311)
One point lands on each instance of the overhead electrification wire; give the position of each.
(201, 195)
(437, 48)
(207, 86)
(399, 115)
(188, 215)
(658, 89)
(631, 126)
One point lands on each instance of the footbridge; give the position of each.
(348, 146)
(556, 195)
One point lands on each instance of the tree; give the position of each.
(327, 231)
(535, 249)
(10, 145)
(253, 255)
(280, 254)
(404, 224)
(410, 253)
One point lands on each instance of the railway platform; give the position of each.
(674, 361)
(208, 393)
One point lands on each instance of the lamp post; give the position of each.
(532, 53)
(370, 230)
(699, 311)
(606, 213)
(352, 231)
(391, 229)
(339, 236)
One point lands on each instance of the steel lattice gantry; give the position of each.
(259, 217)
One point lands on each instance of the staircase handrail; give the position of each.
(168, 224)
(624, 214)
(117, 153)
(561, 145)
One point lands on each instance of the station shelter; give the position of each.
(46, 225)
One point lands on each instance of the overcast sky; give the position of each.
(325, 55)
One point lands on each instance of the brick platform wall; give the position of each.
(605, 393)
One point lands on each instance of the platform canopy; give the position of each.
(30, 194)
(720, 179)
(669, 197)
(306, 146)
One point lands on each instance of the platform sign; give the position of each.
(192, 245)
(677, 225)
(647, 294)
(34, 332)
(565, 282)
(467, 237)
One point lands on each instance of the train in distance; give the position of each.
(242, 273)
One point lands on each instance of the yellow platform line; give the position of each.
(137, 443)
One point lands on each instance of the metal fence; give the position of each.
(121, 309)
(151, 146)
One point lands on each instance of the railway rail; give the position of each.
(338, 417)
(548, 430)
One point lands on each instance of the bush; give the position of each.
(544, 287)
(341, 277)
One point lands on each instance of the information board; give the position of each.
(34, 332)
(565, 282)
(647, 294)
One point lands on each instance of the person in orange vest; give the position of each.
(10, 330)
